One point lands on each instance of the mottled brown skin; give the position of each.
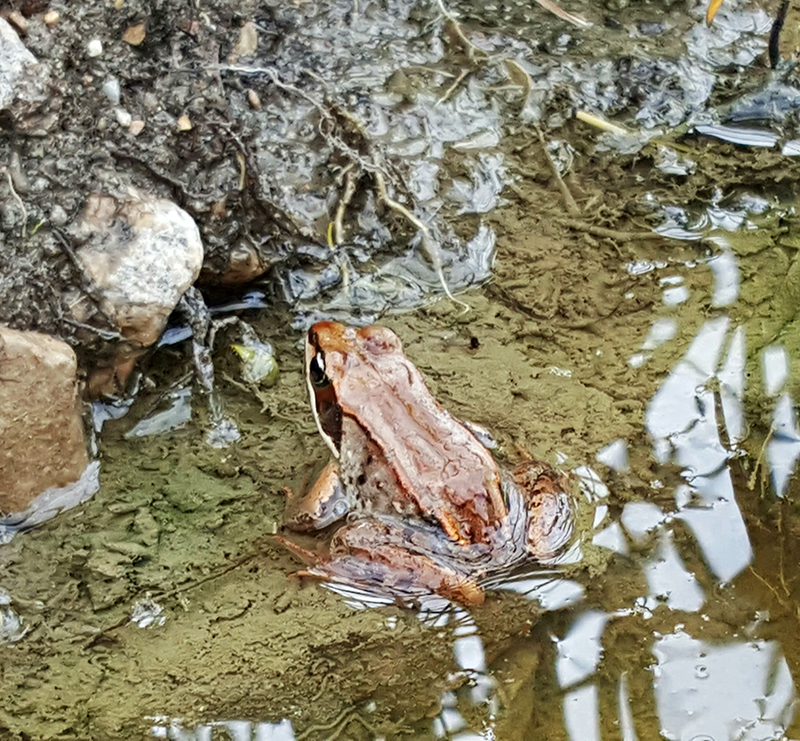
(428, 508)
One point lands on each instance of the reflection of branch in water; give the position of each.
(342, 721)
(751, 482)
(769, 586)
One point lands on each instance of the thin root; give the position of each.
(601, 231)
(335, 228)
(572, 206)
(19, 201)
(453, 87)
(242, 170)
(469, 47)
(343, 718)
(428, 243)
(344, 202)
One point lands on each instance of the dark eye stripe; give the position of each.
(316, 371)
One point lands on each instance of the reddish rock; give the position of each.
(42, 435)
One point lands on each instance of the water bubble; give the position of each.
(701, 672)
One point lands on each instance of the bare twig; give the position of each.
(573, 18)
(519, 75)
(369, 164)
(106, 334)
(160, 174)
(249, 166)
(469, 47)
(599, 122)
(89, 289)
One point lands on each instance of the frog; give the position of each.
(418, 502)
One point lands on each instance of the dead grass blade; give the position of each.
(575, 20)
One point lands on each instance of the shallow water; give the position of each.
(661, 372)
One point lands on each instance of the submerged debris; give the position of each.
(259, 365)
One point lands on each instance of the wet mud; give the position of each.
(179, 537)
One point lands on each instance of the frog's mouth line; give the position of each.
(326, 411)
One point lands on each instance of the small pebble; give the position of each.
(136, 127)
(253, 99)
(651, 28)
(58, 215)
(124, 118)
(248, 40)
(94, 48)
(51, 17)
(118, 4)
(111, 90)
(135, 35)
(19, 21)
(184, 124)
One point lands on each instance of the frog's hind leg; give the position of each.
(374, 554)
(545, 492)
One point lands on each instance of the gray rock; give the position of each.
(40, 417)
(141, 254)
(14, 58)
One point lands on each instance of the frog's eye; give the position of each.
(316, 371)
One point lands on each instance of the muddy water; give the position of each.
(660, 371)
(668, 621)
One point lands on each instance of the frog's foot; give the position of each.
(308, 556)
(374, 554)
(549, 508)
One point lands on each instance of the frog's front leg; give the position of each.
(324, 504)
(372, 553)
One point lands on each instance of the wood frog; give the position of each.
(427, 508)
